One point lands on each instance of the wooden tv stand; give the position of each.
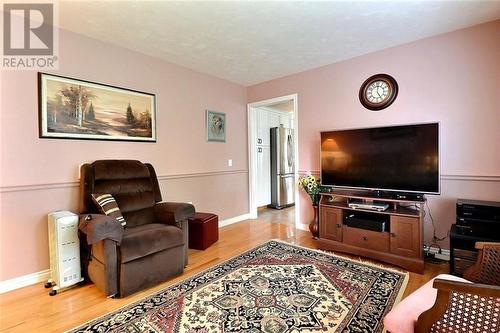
(402, 245)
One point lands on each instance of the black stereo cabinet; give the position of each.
(477, 221)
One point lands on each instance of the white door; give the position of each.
(263, 176)
(262, 130)
(286, 120)
(272, 121)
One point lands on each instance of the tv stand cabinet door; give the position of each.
(405, 236)
(330, 223)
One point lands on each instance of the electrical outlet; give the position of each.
(230, 163)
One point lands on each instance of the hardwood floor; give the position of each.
(31, 309)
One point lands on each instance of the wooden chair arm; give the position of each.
(445, 288)
(480, 245)
(471, 288)
(485, 269)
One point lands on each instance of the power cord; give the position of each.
(435, 238)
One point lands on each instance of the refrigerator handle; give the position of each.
(290, 150)
(287, 175)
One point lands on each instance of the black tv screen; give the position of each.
(396, 158)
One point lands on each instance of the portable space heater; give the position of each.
(64, 251)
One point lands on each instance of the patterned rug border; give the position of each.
(149, 296)
(362, 261)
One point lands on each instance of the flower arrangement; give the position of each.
(311, 186)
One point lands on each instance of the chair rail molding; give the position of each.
(76, 183)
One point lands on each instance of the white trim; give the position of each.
(280, 112)
(251, 120)
(483, 178)
(251, 151)
(202, 174)
(235, 219)
(37, 277)
(24, 280)
(49, 186)
(301, 226)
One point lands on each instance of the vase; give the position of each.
(314, 225)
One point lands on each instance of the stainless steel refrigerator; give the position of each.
(282, 168)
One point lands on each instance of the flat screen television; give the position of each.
(394, 158)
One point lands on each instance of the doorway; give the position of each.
(262, 116)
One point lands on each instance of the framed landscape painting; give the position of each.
(216, 126)
(77, 109)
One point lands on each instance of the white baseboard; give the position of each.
(23, 281)
(304, 227)
(29, 279)
(236, 219)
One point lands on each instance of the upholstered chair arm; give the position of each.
(103, 267)
(176, 213)
(460, 302)
(173, 212)
(98, 227)
(102, 235)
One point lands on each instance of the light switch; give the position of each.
(230, 163)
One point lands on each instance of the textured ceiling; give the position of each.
(252, 42)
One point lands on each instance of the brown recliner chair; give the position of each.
(153, 245)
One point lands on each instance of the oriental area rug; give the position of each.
(274, 288)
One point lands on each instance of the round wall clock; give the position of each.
(378, 92)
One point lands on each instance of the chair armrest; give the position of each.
(173, 212)
(445, 288)
(471, 288)
(481, 245)
(99, 227)
(176, 213)
(486, 269)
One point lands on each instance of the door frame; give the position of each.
(252, 144)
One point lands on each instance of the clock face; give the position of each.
(378, 92)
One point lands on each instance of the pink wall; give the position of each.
(451, 78)
(39, 175)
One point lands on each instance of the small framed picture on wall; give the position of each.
(216, 126)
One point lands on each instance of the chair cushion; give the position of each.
(147, 239)
(108, 206)
(132, 184)
(403, 317)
